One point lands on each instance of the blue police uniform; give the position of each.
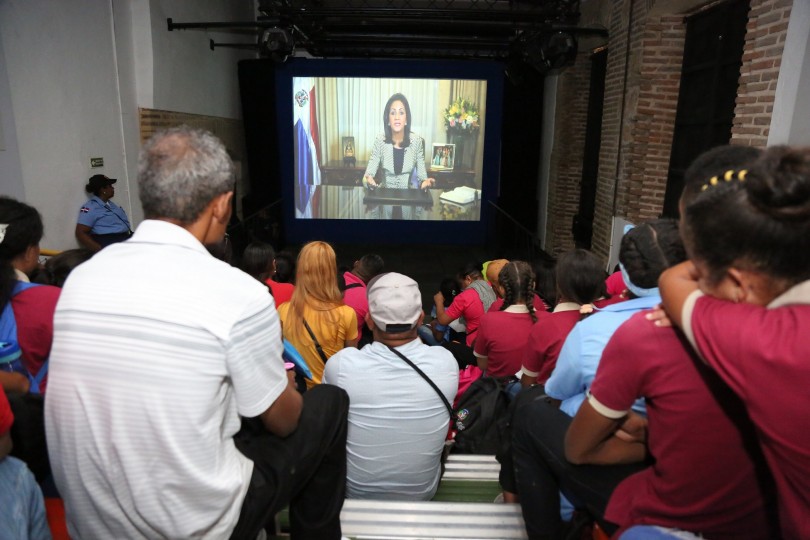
(107, 221)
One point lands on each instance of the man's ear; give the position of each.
(221, 207)
(421, 319)
(369, 321)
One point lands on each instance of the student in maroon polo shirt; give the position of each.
(743, 301)
(502, 334)
(706, 476)
(580, 281)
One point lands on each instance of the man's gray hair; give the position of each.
(180, 171)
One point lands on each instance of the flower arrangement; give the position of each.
(461, 117)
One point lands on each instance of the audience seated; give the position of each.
(545, 280)
(492, 270)
(397, 422)
(645, 252)
(22, 508)
(502, 334)
(30, 307)
(471, 303)
(259, 260)
(580, 283)
(434, 333)
(354, 292)
(706, 476)
(285, 268)
(159, 348)
(316, 320)
(57, 268)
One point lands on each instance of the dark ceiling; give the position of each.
(542, 33)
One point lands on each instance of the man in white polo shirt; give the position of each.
(158, 351)
(397, 421)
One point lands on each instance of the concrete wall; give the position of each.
(76, 78)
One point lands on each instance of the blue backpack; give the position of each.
(10, 353)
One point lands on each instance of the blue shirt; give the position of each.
(103, 218)
(582, 350)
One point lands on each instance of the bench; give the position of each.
(390, 520)
(461, 509)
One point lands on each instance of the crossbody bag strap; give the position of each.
(317, 345)
(431, 383)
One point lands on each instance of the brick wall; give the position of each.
(623, 83)
(641, 95)
(762, 57)
(567, 154)
(643, 179)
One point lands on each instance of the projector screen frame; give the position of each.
(380, 230)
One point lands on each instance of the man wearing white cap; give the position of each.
(397, 422)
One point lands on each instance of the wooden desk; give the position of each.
(335, 173)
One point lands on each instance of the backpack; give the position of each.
(10, 354)
(481, 418)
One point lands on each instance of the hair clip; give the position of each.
(728, 176)
(3, 227)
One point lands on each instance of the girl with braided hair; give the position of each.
(502, 334)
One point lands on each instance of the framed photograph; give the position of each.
(347, 144)
(443, 157)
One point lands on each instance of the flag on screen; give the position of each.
(307, 149)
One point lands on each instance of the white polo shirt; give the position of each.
(158, 347)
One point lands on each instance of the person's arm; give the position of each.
(527, 380)
(13, 382)
(5, 445)
(281, 418)
(676, 284)
(352, 335)
(373, 162)
(482, 362)
(591, 439)
(566, 379)
(84, 238)
(441, 315)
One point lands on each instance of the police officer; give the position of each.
(101, 222)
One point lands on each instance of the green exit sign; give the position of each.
(96, 162)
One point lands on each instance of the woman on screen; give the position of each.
(401, 155)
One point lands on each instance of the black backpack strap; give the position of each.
(317, 345)
(431, 383)
(352, 286)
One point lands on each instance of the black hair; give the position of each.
(470, 268)
(406, 141)
(758, 220)
(581, 276)
(545, 280)
(517, 280)
(257, 260)
(285, 267)
(23, 229)
(222, 250)
(714, 162)
(57, 268)
(371, 265)
(649, 249)
(449, 289)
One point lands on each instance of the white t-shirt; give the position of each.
(397, 422)
(158, 347)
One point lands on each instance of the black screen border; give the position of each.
(389, 231)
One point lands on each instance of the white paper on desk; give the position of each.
(461, 195)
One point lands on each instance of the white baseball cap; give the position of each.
(394, 302)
